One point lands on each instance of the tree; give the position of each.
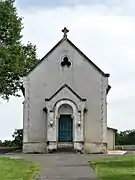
(7, 143)
(16, 59)
(125, 137)
(0, 143)
(18, 138)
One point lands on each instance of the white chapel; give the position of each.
(65, 105)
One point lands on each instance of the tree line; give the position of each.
(125, 137)
(122, 138)
(16, 142)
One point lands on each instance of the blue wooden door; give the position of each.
(65, 128)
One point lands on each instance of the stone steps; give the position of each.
(116, 152)
(65, 147)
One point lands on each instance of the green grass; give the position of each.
(17, 169)
(118, 168)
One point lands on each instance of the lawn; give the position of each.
(17, 169)
(118, 168)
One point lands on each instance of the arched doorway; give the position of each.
(65, 124)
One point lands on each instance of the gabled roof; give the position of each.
(68, 87)
(78, 50)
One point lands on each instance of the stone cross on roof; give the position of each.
(65, 31)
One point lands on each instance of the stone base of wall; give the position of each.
(95, 148)
(38, 147)
(34, 147)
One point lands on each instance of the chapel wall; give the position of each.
(86, 81)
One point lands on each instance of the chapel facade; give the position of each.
(65, 103)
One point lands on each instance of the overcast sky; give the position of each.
(103, 29)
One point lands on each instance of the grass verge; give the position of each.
(118, 168)
(17, 169)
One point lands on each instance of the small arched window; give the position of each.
(65, 62)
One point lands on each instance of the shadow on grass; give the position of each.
(118, 163)
(118, 177)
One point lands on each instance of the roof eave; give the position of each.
(23, 90)
(108, 89)
(113, 129)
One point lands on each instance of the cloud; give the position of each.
(58, 3)
(104, 33)
(126, 7)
